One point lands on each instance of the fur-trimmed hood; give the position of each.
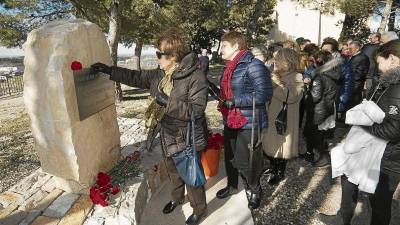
(333, 64)
(390, 77)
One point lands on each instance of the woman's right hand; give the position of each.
(100, 67)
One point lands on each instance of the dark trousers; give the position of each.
(315, 139)
(381, 201)
(196, 195)
(236, 154)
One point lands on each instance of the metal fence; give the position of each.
(11, 84)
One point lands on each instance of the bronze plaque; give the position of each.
(94, 92)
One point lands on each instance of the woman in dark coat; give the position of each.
(387, 97)
(242, 76)
(178, 89)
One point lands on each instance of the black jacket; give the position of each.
(360, 66)
(388, 99)
(325, 89)
(189, 94)
(370, 51)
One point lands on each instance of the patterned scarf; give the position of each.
(155, 112)
(226, 81)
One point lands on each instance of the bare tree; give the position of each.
(385, 15)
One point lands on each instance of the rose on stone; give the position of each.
(98, 198)
(115, 190)
(76, 65)
(102, 179)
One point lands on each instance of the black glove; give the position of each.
(161, 98)
(100, 67)
(229, 104)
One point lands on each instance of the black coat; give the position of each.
(189, 94)
(388, 99)
(370, 50)
(360, 67)
(325, 89)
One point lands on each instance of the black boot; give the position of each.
(170, 206)
(323, 161)
(279, 173)
(195, 219)
(254, 199)
(227, 191)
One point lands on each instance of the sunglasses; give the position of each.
(160, 54)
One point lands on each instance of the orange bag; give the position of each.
(210, 161)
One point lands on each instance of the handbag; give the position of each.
(235, 119)
(187, 162)
(281, 119)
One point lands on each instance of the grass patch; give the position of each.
(137, 113)
(18, 157)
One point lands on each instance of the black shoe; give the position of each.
(170, 206)
(323, 161)
(195, 219)
(275, 178)
(225, 192)
(254, 200)
(308, 156)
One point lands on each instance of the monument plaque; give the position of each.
(94, 92)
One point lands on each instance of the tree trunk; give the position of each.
(385, 16)
(252, 25)
(114, 28)
(392, 18)
(138, 52)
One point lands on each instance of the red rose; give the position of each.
(76, 65)
(97, 197)
(115, 190)
(102, 179)
(105, 188)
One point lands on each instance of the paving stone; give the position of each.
(27, 183)
(33, 201)
(32, 215)
(61, 205)
(77, 214)
(14, 218)
(8, 210)
(46, 201)
(9, 197)
(44, 220)
(49, 185)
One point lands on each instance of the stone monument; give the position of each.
(72, 112)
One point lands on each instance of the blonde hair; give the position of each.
(289, 59)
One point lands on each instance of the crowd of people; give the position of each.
(264, 93)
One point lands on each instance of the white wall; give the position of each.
(295, 21)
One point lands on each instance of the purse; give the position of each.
(187, 162)
(281, 119)
(235, 119)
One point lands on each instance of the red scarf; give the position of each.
(235, 119)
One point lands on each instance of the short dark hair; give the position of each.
(377, 34)
(173, 43)
(331, 41)
(324, 55)
(389, 48)
(311, 49)
(356, 43)
(234, 37)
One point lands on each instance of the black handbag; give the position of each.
(281, 119)
(187, 162)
